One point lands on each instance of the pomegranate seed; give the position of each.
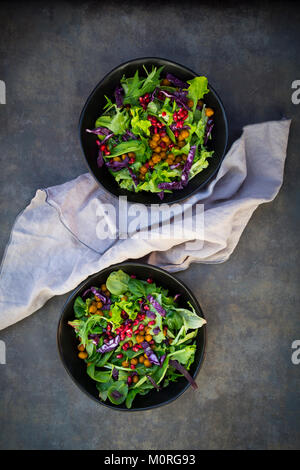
(136, 332)
(132, 366)
(152, 341)
(133, 276)
(119, 356)
(122, 336)
(129, 380)
(146, 307)
(97, 142)
(143, 316)
(164, 113)
(141, 99)
(149, 280)
(102, 147)
(129, 334)
(136, 322)
(141, 327)
(152, 322)
(155, 130)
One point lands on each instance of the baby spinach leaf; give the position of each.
(117, 282)
(130, 397)
(79, 307)
(117, 392)
(98, 375)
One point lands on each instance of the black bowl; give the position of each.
(93, 108)
(67, 342)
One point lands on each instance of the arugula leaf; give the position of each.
(137, 287)
(183, 355)
(190, 318)
(118, 123)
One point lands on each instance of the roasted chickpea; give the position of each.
(125, 364)
(156, 159)
(166, 139)
(152, 144)
(185, 133)
(157, 149)
(141, 359)
(165, 82)
(171, 156)
(156, 137)
(143, 170)
(148, 329)
(139, 339)
(209, 112)
(169, 162)
(131, 154)
(99, 312)
(190, 103)
(103, 287)
(107, 293)
(83, 355)
(134, 361)
(124, 156)
(116, 159)
(151, 163)
(99, 304)
(135, 379)
(163, 155)
(148, 338)
(147, 363)
(80, 347)
(92, 308)
(181, 144)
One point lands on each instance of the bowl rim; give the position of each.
(178, 198)
(118, 266)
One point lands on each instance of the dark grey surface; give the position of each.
(51, 56)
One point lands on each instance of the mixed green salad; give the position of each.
(153, 136)
(134, 337)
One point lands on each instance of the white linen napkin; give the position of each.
(55, 243)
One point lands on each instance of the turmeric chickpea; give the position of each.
(139, 339)
(143, 170)
(124, 156)
(181, 144)
(190, 103)
(171, 156)
(185, 133)
(135, 379)
(131, 154)
(107, 293)
(99, 304)
(134, 361)
(166, 139)
(152, 145)
(83, 355)
(148, 338)
(147, 363)
(151, 163)
(169, 162)
(103, 287)
(163, 155)
(148, 329)
(165, 82)
(80, 347)
(209, 112)
(157, 149)
(125, 364)
(92, 308)
(99, 312)
(117, 159)
(141, 359)
(156, 137)
(156, 159)
(130, 344)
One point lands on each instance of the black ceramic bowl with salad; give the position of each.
(132, 337)
(153, 130)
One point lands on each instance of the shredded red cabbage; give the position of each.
(156, 305)
(161, 195)
(150, 353)
(119, 93)
(153, 382)
(99, 131)
(187, 166)
(116, 166)
(171, 185)
(129, 135)
(115, 373)
(156, 330)
(95, 291)
(184, 372)
(100, 159)
(162, 359)
(112, 344)
(208, 129)
(133, 176)
(176, 81)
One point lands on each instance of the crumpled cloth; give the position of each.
(54, 243)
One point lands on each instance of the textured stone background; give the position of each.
(51, 57)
